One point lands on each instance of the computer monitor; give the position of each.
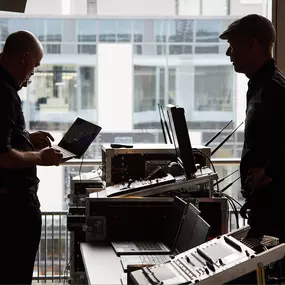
(181, 139)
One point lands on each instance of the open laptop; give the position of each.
(178, 210)
(77, 139)
(193, 232)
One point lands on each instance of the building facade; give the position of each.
(114, 61)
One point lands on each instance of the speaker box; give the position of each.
(18, 6)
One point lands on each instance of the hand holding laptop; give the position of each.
(49, 156)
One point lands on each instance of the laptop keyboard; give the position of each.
(154, 259)
(148, 246)
(143, 259)
(65, 153)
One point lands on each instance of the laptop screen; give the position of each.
(178, 210)
(200, 233)
(181, 139)
(187, 229)
(79, 136)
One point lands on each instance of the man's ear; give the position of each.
(24, 57)
(253, 43)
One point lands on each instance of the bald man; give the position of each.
(20, 153)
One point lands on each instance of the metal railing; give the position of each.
(53, 257)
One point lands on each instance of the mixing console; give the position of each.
(215, 262)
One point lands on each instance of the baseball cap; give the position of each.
(254, 26)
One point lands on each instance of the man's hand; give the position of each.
(49, 156)
(41, 140)
(257, 178)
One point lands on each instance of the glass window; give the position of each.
(86, 30)
(87, 78)
(15, 25)
(138, 30)
(150, 31)
(208, 31)
(144, 88)
(87, 33)
(123, 31)
(205, 49)
(176, 49)
(52, 96)
(180, 31)
(213, 88)
(53, 30)
(149, 49)
(171, 85)
(160, 29)
(107, 30)
(36, 26)
(4, 30)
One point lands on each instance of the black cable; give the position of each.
(210, 161)
(229, 198)
(226, 195)
(66, 267)
(231, 202)
(79, 173)
(205, 155)
(234, 210)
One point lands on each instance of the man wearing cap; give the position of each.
(251, 40)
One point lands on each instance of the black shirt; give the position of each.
(14, 136)
(264, 142)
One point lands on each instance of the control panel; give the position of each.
(155, 185)
(136, 185)
(215, 262)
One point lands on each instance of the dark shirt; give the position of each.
(264, 144)
(14, 136)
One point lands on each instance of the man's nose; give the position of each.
(228, 52)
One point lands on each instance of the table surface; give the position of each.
(102, 265)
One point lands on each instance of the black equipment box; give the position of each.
(121, 164)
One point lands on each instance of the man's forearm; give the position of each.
(17, 159)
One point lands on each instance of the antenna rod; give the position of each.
(161, 123)
(222, 179)
(225, 140)
(217, 134)
(229, 185)
(166, 125)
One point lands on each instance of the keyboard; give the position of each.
(143, 259)
(64, 152)
(148, 246)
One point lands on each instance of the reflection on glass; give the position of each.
(217, 94)
(87, 77)
(53, 30)
(171, 85)
(37, 27)
(206, 49)
(180, 31)
(144, 88)
(160, 30)
(180, 49)
(58, 93)
(138, 30)
(107, 31)
(208, 30)
(86, 30)
(149, 49)
(123, 30)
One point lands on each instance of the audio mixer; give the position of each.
(215, 262)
